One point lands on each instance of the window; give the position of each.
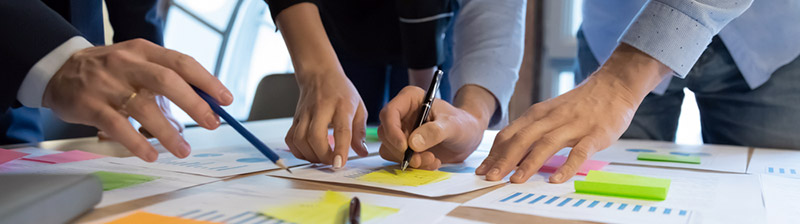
(235, 40)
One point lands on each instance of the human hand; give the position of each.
(588, 118)
(327, 99)
(102, 86)
(451, 135)
(164, 105)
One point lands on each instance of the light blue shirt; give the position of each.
(761, 35)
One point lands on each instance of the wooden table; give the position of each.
(267, 130)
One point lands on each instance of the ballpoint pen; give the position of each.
(354, 216)
(243, 131)
(427, 103)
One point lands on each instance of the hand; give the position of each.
(164, 105)
(450, 135)
(588, 118)
(102, 86)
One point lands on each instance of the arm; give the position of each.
(667, 36)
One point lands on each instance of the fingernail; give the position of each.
(226, 97)
(337, 162)
(518, 174)
(481, 169)
(494, 172)
(364, 144)
(418, 140)
(557, 177)
(185, 149)
(212, 120)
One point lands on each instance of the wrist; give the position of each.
(635, 70)
(477, 101)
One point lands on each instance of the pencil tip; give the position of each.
(288, 170)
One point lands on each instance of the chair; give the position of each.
(276, 97)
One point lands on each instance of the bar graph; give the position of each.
(590, 206)
(783, 171)
(247, 217)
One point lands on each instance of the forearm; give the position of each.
(308, 44)
(636, 71)
(477, 101)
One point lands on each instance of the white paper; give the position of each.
(462, 180)
(779, 162)
(240, 204)
(712, 157)
(217, 162)
(780, 198)
(166, 182)
(702, 197)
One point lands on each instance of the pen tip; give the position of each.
(404, 166)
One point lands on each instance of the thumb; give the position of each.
(428, 135)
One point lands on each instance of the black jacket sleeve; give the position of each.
(30, 31)
(136, 19)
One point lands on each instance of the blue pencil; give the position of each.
(243, 131)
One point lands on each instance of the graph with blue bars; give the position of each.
(555, 202)
(247, 217)
(783, 171)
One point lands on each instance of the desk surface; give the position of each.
(267, 130)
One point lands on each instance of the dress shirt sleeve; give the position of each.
(31, 91)
(676, 32)
(488, 45)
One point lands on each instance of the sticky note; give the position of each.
(623, 185)
(410, 177)
(9, 155)
(112, 180)
(668, 158)
(372, 134)
(65, 157)
(333, 207)
(146, 217)
(556, 161)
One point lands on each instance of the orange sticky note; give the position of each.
(65, 157)
(146, 217)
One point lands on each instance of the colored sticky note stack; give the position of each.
(372, 134)
(65, 157)
(556, 161)
(146, 217)
(9, 155)
(668, 158)
(331, 208)
(623, 185)
(410, 177)
(112, 180)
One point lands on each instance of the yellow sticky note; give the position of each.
(146, 217)
(332, 208)
(410, 177)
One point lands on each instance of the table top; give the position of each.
(268, 131)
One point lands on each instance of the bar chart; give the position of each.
(247, 217)
(782, 171)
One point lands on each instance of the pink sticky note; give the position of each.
(556, 161)
(65, 157)
(8, 155)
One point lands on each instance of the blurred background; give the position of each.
(237, 41)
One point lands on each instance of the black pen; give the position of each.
(354, 216)
(427, 103)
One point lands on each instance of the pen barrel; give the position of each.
(424, 112)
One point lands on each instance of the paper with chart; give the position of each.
(217, 162)
(460, 178)
(243, 204)
(124, 182)
(779, 162)
(713, 157)
(780, 198)
(694, 197)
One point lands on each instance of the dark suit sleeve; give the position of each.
(30, 31)
(136, 19)
(276, 6)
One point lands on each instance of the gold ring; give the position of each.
(128, 100)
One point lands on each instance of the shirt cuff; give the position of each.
(31, 91)
(668, 35)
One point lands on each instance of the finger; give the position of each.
(415, 161)
(541, 151)
(317, 135)
(358, 141)
(389, 154)
(188, 68)
(342, 135)
(428, 161)
(164, 81)
(510, 152)
(392, 115)
(579, 154)
(117, 127)
(289, 139)
(144, 109)
(301, 138)
(428, 135)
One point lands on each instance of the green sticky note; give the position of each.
(112, 180)
(623, 185)
(372, 134)
(669, 158)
